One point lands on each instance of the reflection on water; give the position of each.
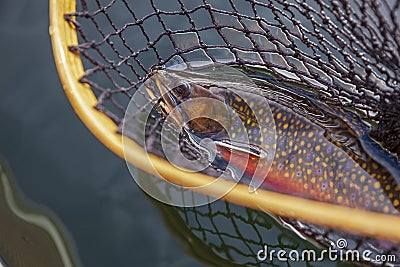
(30, 236)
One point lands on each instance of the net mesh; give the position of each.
(224, 234)
(235, 234)
(347, 51)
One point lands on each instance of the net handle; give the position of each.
(83, 100)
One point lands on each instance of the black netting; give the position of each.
(234, 235)
(224, 234)
(347, 51)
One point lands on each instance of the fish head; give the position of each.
(195, 107)
(229, 117)
(225, 112)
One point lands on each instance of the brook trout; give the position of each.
(317, 157)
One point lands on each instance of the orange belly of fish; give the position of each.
(273, 180)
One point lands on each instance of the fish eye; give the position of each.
(183, 90)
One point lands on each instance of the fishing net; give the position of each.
(346, 52)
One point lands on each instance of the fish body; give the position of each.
(321, 163)
(309, 164)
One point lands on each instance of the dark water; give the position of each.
(59, 164)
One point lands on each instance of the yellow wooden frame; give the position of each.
(83, 100)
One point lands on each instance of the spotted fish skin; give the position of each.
(325, 164)
(314, 163)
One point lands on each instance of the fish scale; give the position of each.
(312, 164)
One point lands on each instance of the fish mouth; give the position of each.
(171, 89)
(159, 88)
